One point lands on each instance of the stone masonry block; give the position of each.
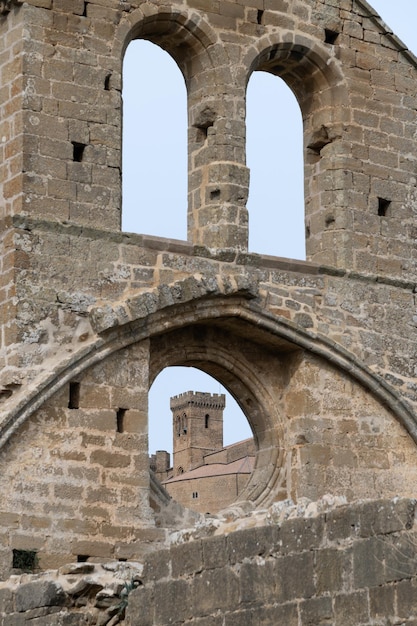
(141, 603)
(295, 574)
(240, 618)
(406, 595)
(316, 611)
(382, 602)
(368, 563)
(96, 419)
(215, 590)
(186, 559)
(273, 615)
(252, 542)
(351, 609)
(214, 552)
(259, 583)
(92, 548)
(69, 6)
(6, 601)
(37, 594)
(301, 534)
(157, 565)
(386, 517)
(332, 568)
(26, 541)
(44, 4)
(400, 556)
(342, 522)
(173, 602)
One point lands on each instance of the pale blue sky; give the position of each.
(154, 192)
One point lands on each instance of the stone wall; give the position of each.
(209, 494)
(348, 566)
(319, 359)
(79, 593)
(61, 121)
(357, 153)
(82, 488)
(319, 355)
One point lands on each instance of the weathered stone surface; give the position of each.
(319, 354)
(252, 542)
(188, 557)
(38, 594)
(316, 583)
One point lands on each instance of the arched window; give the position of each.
(184, 424)
(174, 380)
(154, 143)
(274, 150)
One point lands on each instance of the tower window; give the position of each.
(206, 421)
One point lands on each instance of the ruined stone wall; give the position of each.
(353, 565)
(76, 486)
(344, 566)
(371, 316)
(315, 386)
(319, 354)
(76, 594)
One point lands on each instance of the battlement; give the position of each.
(198, 399)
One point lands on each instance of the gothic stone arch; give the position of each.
(306, 442)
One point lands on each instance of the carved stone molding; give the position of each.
(6, 5)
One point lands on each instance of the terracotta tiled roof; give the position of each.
(241, 466)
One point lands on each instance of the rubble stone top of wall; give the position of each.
(94, 591)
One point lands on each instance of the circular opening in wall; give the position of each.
(201, 446)
(254, 367)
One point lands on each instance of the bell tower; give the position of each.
(197, 428)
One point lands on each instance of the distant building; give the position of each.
(205, 476)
